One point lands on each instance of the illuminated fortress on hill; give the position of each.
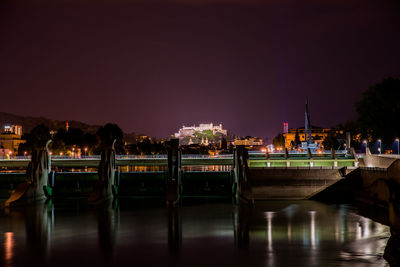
(189, 131)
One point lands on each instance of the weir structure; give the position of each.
(245, 175)
(377, 182)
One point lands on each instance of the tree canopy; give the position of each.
(379, 111)
(37, 138)
(279, 140)
(110, 132)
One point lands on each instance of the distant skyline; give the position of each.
(153, 66)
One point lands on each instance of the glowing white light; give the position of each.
(269, 215)
(312, 228)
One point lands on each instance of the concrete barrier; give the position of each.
(291, 183)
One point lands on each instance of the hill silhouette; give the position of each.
(28, 123)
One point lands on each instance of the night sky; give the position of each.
(153, 66)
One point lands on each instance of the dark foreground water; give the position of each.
(276, 233)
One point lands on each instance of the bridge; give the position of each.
(256, 159)
(201, 175)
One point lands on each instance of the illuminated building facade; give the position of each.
(10, 138)
(317, 135)
(249, 141)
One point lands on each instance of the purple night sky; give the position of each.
(152, 66)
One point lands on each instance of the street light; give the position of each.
(380, 146)
(365, 144)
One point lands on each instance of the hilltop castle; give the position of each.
(189, 131)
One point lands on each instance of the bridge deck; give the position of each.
(255, 159)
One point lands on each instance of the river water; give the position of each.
(197, 233)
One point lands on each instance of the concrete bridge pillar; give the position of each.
(174, 172)
(37, 177)
(243, 192)
(103, 188)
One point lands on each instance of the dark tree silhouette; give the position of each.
(331, 141)
(279, 140)
(297, 141)
(110, 132)
(224, 144)
(379, 111)
(37, 138)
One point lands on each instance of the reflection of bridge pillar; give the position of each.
(174, 229)
(242, 226)
(107, 226)
(38, 228)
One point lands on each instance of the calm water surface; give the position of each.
(288, 233)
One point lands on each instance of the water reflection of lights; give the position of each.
(8, 247)
(269, 215)
(337, 230)
(342, 222)
(289, 214)
(312, 228)
(365, 243)
(363, 228)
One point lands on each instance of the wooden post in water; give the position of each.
(174, 172)
(37, 176)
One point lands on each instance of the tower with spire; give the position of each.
(307, 127)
